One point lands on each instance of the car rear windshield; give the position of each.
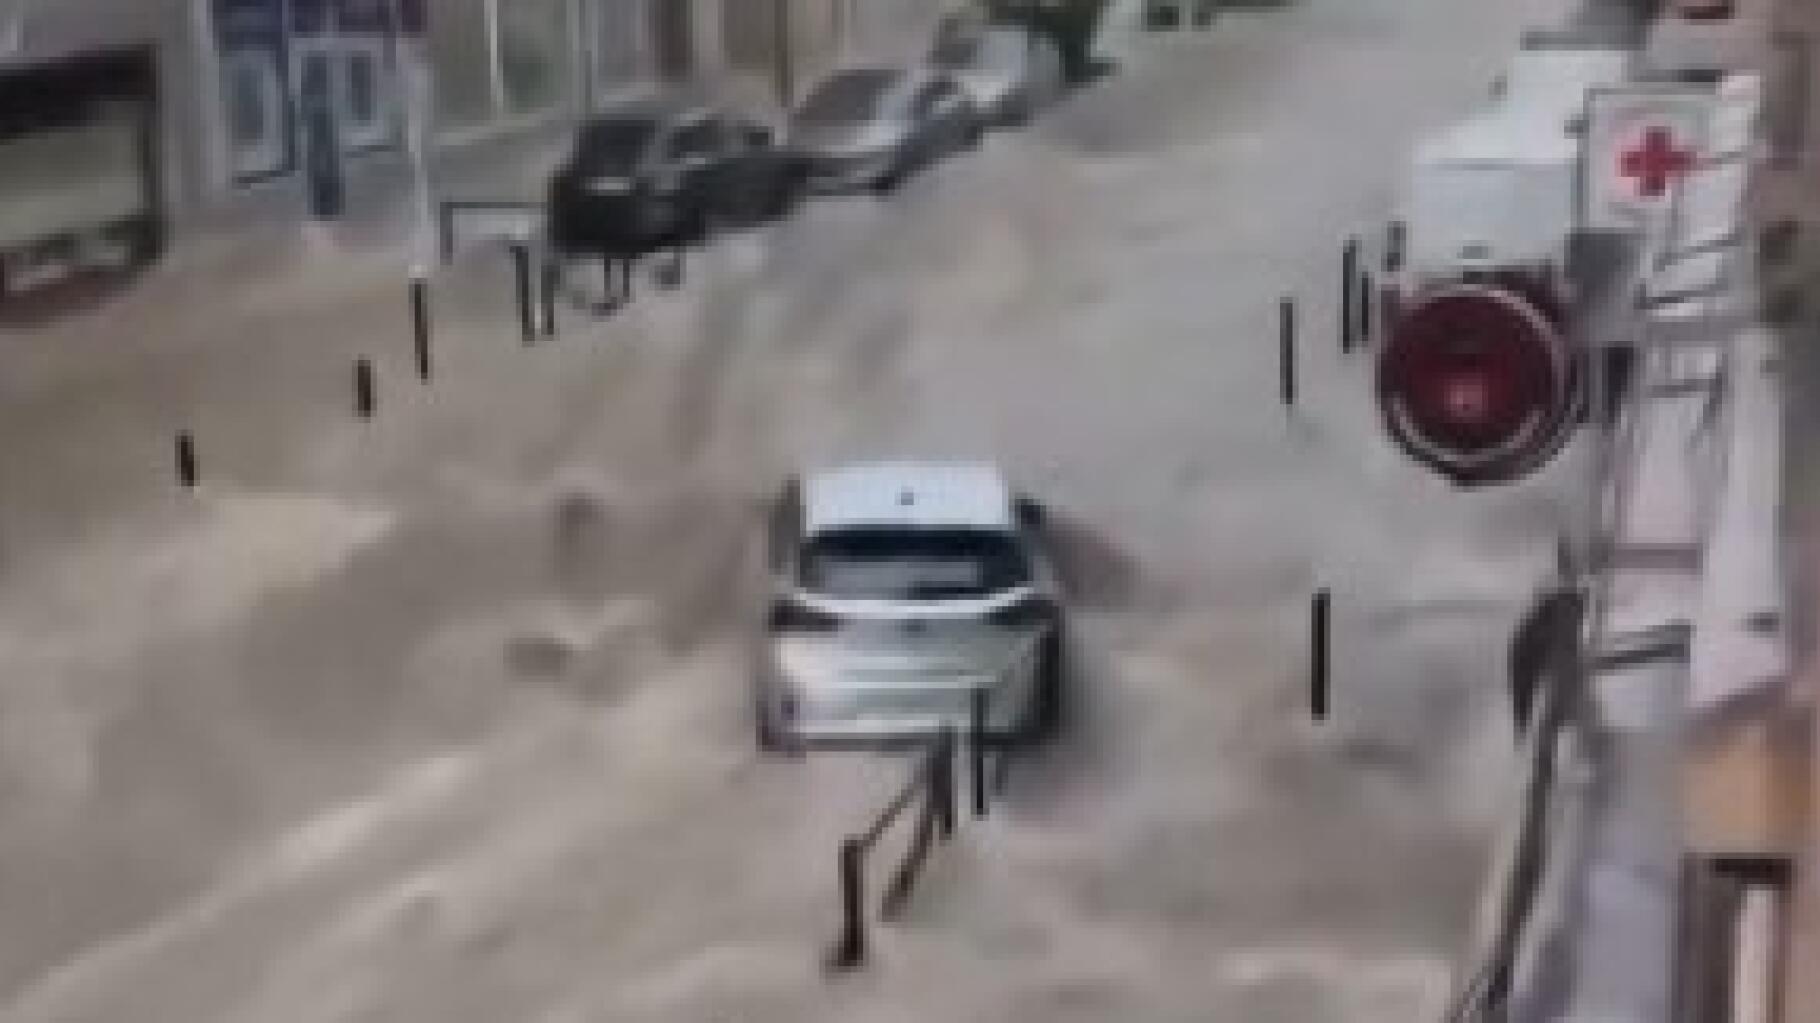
(898, 563)
(614, 146)
(852, 96)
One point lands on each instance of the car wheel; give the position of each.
(771, 739)
(1048, 706)
(889, 181)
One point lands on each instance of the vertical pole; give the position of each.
(1366, 326)
(549, 278)
(941, 780)
(978, 750)
(1318, 680)
(850, 950)
(420, 326)
(363, 388)
(186, 459)
(521, 271)
(1349, 283)
(1286, 338)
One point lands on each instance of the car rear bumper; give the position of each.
(613, 223)
(832, 174)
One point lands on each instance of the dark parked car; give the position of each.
(869, 128)
(654, 174)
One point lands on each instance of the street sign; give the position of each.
(1642, 141)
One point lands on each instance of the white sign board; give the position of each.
(482, 223)
(1642, 141)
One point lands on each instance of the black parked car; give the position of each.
(659, 173)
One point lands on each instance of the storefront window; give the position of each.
(462, 58)
(749, 31)
(618, 43)
(536, 53)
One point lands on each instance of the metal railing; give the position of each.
(932, 778)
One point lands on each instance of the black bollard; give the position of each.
(1366, 326)
(420, 326)
(850, 949)
(1286, 331)
(1349, 283)
(363, 388)
(941, 783)
(978, 751)
(521, 271)
(1317, 673)
(549, 281)
(186, 459)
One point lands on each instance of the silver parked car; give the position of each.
(897, 591)
(870, 128)
(1009, 73)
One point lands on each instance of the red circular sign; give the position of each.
(1478, 384)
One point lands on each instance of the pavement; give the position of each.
(443, 715)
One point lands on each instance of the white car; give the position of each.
(897, 592)
(1009, 73)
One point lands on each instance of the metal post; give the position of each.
(363, 388)
(1366, 327)
(548, 281)
(850, 950)
(1349, 283)
(186, 459)
(1286, 332)
(1318, 681)
(977, 700)
(521, 269)
(941, 783)
(420, 326)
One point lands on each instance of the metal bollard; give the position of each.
(363, 388)
(186, 459)
(1286, 339)
(941, 782)
(548, 281)
(978, 750)
(1318, 638)
(1366, 326)
(1349, 283)
(850, 950)
(521, 270)
(420, 326)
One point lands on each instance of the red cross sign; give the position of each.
(1655, 162)
(1642, 141)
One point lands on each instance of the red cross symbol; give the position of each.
(1655, 163)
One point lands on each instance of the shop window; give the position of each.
(536, 51)
(618, 42)
(461, 56)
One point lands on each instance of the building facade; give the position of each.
(198, 110)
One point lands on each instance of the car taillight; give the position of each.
(791, 616)
(1032, 613)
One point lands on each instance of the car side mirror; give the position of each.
(1029, 513)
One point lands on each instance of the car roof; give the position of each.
(956, 494)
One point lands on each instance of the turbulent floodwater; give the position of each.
(443, 716)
